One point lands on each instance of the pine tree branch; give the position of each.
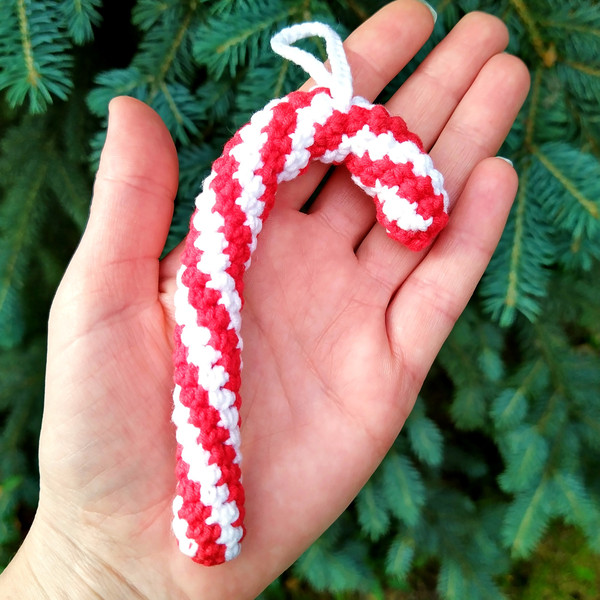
(523, 388)
(305, 11)
(553, 356)
(532, 511)
(569, 26)
(14, 257)
(20, 415)
(176, 113)
(163, 69)
(512, 293)
(442, 6)
(547, 415)
(76, 206)
(255, 29)
(399, 557)
(587, 204)
(237, 38)
(358, 10)
(146, 13)
(466, 361)
(534, 102)
(593, 424)
(546, 53)
(80, 16)
(18, 234)
(33, 75)
(278, 90)
(68, 188)
(34, 54)
(583, 68)
(583, 120)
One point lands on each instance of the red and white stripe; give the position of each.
(278, 144)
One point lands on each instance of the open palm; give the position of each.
(341, 325)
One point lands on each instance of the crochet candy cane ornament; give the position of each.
(328, 124)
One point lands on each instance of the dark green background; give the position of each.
(492, 489)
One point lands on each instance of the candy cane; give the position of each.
(326, 124)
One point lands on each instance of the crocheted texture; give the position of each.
(279, 143)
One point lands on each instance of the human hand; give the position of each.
(341, 325)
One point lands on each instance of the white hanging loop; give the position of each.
(339, 80)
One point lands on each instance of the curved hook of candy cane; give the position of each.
(339, 81)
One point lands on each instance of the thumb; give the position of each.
(135, 185)
(132, 205)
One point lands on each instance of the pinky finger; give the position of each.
(426, 307)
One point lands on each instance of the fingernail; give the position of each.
(506, 160)
(431, 9)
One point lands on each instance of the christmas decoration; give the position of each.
(327, 124)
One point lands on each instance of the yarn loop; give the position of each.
(339, 80)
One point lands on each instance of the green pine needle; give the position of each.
(399, 557)
(20, 209)
(81, 16)
(372, 510)
(526, 519)
(33, 54)
(236, 38)
(403, 488)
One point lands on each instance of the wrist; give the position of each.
(19, 582)
(51, 566)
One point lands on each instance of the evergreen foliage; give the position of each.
(505, 437)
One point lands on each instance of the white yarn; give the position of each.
(339, 80)
(316, 113)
